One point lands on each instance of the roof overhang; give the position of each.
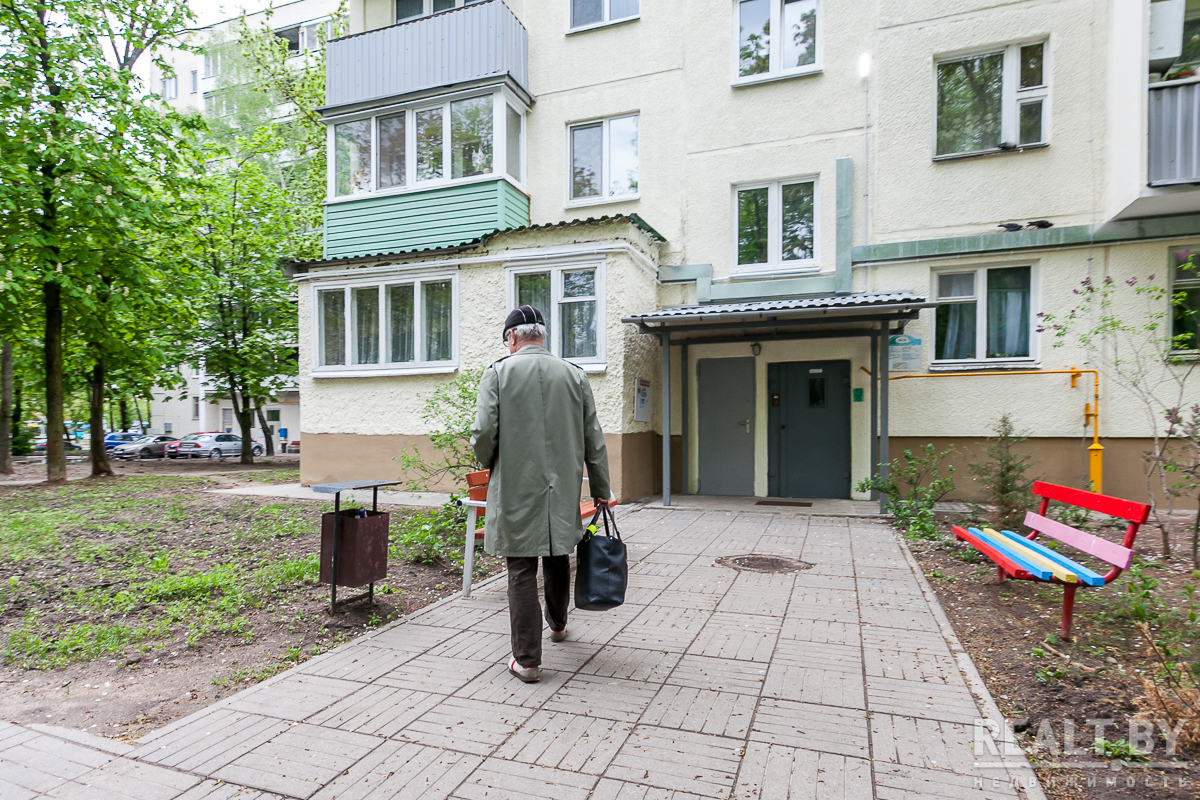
(849, 315)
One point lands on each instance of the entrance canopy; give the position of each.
(876, 315)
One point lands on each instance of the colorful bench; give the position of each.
(476, 502)
(1022, 558)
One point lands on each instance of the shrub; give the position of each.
(912, 507)
(449, 411)
(432, 536)
(1001, 475)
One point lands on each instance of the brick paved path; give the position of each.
(709, 683)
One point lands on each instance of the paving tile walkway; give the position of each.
(841, 681)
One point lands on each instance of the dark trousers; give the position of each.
(524, 612)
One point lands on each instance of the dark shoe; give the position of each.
(558, 636)
(527, 674)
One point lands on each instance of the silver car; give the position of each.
(145, 447)
(214, 445)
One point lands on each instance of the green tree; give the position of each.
(1001, 475)
(90, 162)
(246, 328)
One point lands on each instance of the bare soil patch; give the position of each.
(31, 471)
(128, 602)
(1011, 631)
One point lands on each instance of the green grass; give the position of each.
(97, 567)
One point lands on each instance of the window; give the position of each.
(571, 302)
(401, 325)
(210, 103)
(167, 427)
(604, 159)
(303, 38)
(170, 88)
(776, 225)
(195, 81)
(272, 415)
(587, 13)
(985, 314)
(1185, 302)
(412, 9)
(450, 141)
(793, 51)
(292, 37)
(195, 408)
(992, 101)
(210, 66)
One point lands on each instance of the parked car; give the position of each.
(212, 445)
(145, 447)
(39, 445)
(119, 437)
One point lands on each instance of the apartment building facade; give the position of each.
(750, 224)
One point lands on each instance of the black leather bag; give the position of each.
(602, 568)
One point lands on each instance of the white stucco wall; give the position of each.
(392, 404)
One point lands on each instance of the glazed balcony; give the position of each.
(1174, 132)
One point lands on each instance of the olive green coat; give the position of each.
(535, 428)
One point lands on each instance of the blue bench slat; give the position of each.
(998, 542)
(1085, 575)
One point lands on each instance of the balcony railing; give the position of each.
(1174, 128)
(477, 41)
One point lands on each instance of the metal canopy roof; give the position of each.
(860, 307)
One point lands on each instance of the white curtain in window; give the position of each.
(1008, 313)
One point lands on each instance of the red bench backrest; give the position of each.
(477, 483)
(1113, 506)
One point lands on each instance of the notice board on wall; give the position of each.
(641, 400)
(904, 353)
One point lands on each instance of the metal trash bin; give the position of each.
(353, 548)
(362, 547)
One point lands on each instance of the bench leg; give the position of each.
(1068, 610)
(1001, 575)
(469, 553)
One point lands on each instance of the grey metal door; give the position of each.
(726, 422)
(808, 429)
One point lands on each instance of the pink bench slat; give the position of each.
(1102, 549)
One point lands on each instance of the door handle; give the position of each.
(745, 422)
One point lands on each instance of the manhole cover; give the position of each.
(756, 563)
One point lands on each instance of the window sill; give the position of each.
(1184, 356)
(757, 272)
(601, 201)
(985, 365)
(605, 24)
(995, 151)
(772, 77)
(591, 367)
(384, 372)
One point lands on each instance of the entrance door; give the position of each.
(726, 410)
(808, 429)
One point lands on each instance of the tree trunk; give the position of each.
(245, 418)
(137, 410)
(6, 407)
(112, 426)
(100, 464)
(123, 409)
(268, 434)
(56, 455)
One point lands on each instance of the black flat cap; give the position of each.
(521, 315)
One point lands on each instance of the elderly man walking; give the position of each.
(535, 428)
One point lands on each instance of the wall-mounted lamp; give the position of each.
(756, 348)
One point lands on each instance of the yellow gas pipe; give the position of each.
(1091, 411)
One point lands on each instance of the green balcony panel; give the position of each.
(442, 217)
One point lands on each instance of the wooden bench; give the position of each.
(1022, 558)
(476, 502)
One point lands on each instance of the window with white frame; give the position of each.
(776, 224)
(571, 299)
(210, 66)
(993, 101)
(793, 50)
(412, 9)
(451, 140)
(195, 81)
(604, 159)
(170, 88)
(984, 313)
(195, 408)
(1185, 298)
(398, 324)
(588, 13)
